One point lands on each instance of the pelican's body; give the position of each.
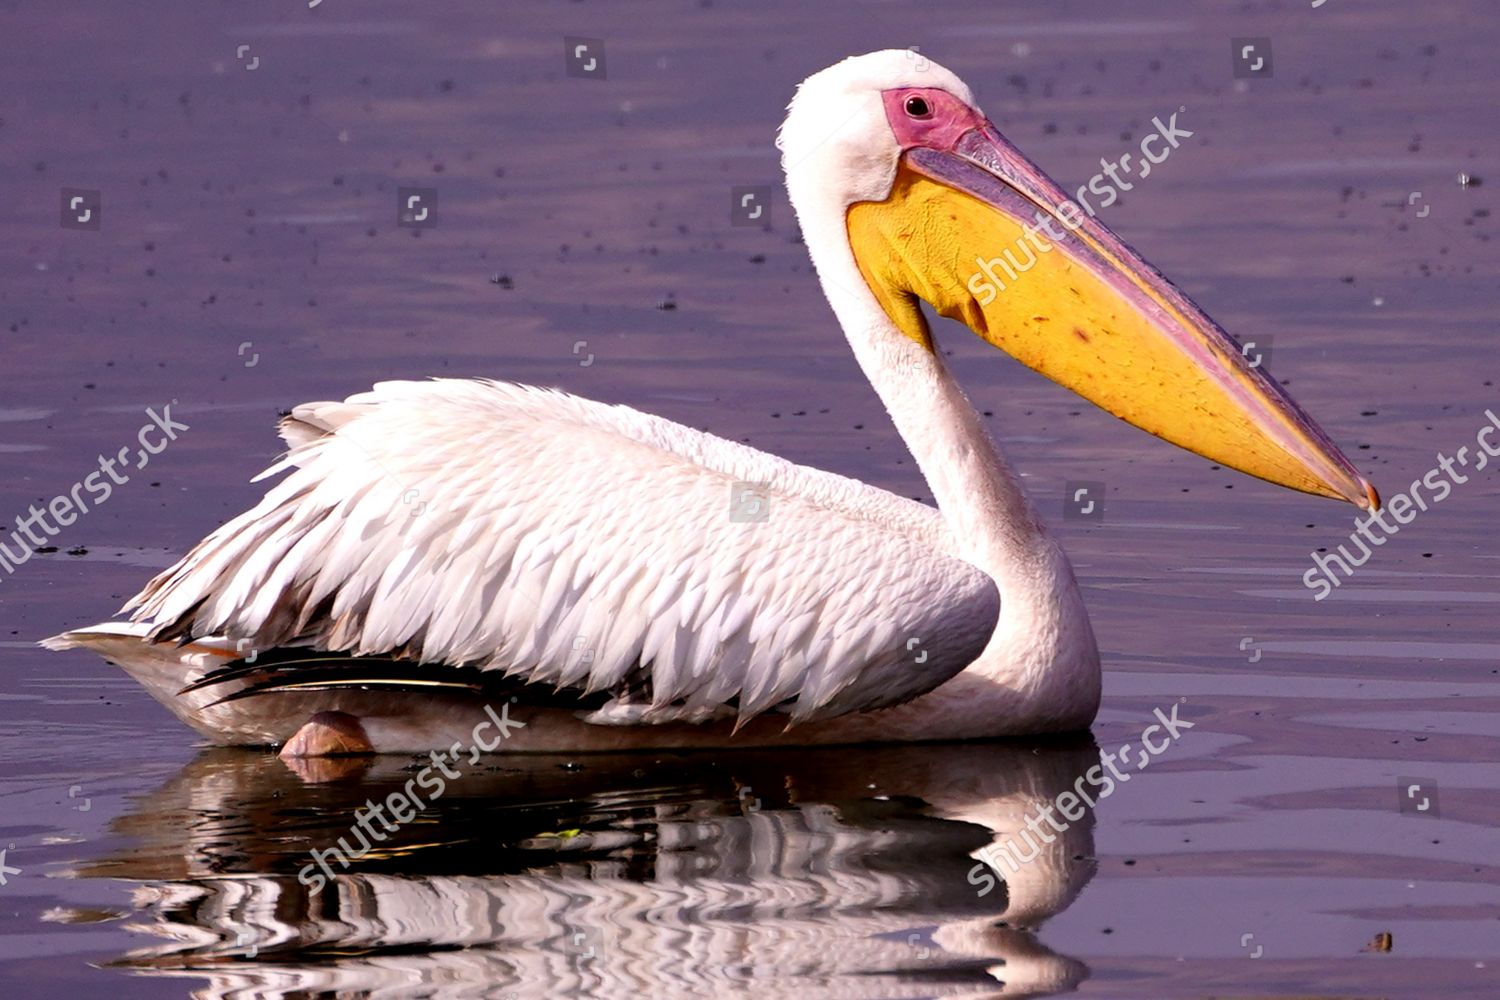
(440, 546)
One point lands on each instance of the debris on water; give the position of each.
(503, 280)
(1468, 180)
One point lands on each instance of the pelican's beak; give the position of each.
(978, 231)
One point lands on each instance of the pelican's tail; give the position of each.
(162, 668)
(211, 684)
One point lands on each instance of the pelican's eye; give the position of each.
(918, 107)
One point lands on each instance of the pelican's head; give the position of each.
(896, 174)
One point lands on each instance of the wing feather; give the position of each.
(558, 540)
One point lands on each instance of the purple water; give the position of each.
(248, 258)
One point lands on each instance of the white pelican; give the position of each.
(437, 546)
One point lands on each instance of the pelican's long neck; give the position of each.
(980, 495)
(1043, 652)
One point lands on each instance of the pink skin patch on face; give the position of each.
(928, 118)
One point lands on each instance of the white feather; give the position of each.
(555, 563)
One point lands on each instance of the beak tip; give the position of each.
(1372, 498)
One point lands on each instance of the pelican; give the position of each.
(436, 549)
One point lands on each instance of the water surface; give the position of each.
(249, 258)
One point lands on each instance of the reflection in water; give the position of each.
(836, 872)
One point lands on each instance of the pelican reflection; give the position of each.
(834, 873)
